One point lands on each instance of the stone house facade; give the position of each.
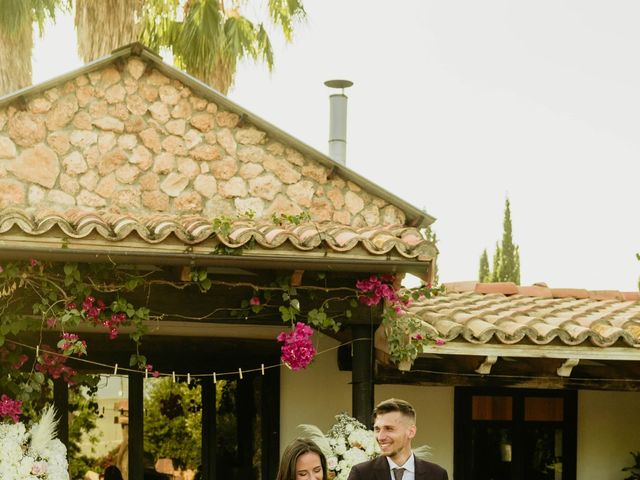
(128, 138)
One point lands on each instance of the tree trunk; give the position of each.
(102, 26)
(15, 57)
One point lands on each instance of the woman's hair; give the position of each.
(112, 473)
(295, 450)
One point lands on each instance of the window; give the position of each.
(511, 434)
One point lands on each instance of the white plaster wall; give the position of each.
(314, 395)
(608, 429)
(434, 409)
(317, 394)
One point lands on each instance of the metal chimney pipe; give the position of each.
(338, 121)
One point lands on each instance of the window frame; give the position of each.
(463, 424)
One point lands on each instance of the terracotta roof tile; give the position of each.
(508, 288)
(379, 240)
(479, 313)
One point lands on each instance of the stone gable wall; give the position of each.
(129, 139)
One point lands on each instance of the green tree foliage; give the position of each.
(17, 18)
(432, 237)
(207, 38)
(172, 423)
(506, 259)
(509, 264)
(484, 274)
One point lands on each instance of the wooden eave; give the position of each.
(133, 250)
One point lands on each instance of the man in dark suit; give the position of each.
(394, 425)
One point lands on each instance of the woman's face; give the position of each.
(308, 467)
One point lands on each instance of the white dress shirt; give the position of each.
(409, 468)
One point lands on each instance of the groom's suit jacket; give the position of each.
(378, 469)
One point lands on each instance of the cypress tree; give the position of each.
(497, 259)
(484, 274)
(509, 265)
(506, 259)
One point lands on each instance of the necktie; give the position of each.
(398, 473)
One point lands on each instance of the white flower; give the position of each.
(20, 459)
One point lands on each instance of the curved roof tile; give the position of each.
(77, 224)
(510, 318)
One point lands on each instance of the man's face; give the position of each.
(394, 432)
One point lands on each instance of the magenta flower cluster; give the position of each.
(71, 344)
(297, 350)
(10, 408)
(375, 288)
(93, 309)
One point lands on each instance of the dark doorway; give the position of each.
(247, 426)
(511, 434)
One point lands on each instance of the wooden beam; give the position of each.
(415, 377)
(535, 351)
(136, 427)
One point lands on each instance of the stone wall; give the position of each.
(127, 138)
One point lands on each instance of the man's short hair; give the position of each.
(395, 405)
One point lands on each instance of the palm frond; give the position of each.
(423, 452)
(316, 435)
(284, 13)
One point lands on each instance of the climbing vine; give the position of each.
(38, 297)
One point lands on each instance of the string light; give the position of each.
(240, 373)
(115, 369)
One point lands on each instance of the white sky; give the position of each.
(457, 104)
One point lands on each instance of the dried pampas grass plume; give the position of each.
(44, 432)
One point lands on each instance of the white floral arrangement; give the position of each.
(347, 443)
(34, 453)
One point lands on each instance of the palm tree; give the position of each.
(105, 25)
(16, 38)
(207, 38)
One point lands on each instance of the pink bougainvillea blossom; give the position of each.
(375, 288)
(113, 323)
(71, 344)
(17, 365)
(297, 350)
(10, 408)
(53, 364)
(439, 341)
(149, 368)
(254, 301)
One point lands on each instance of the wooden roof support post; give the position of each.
(136, 426)
(565, 369)
(208, 395)
(362, 374)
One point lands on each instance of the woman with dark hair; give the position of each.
(302, 460)
(112, 473)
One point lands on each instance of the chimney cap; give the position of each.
(338, 83)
